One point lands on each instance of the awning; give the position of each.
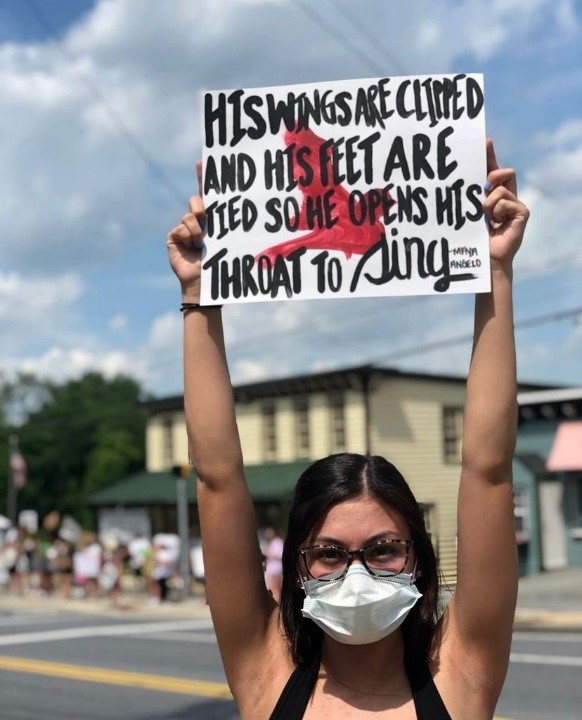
(269, 482)
(566, 452)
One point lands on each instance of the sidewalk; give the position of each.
(547, 601)
(550, 601)
(128, 605)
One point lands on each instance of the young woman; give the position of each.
(357, 633)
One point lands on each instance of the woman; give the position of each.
(357, 632)
(273, 562)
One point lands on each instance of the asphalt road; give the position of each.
(74, 667)
(544, 681)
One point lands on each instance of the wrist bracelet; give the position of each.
(187, 306)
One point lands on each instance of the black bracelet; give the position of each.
(187, 306)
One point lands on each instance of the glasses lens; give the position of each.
(326, 561)
(386, 558)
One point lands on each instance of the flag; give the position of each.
(18, 467)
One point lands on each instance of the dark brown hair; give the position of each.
(326, 483)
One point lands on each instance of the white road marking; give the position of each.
(195, 637)
(102, 631)
(532, 659)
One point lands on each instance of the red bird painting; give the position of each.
(344, 235)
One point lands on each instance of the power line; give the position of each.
(94, 414)
(458, 340)
(367, 35)
(252, 343)
(151, 163)
(344, 40)
(160, 174)
(399, 304)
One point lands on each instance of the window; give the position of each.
(521, 514)
(337, 414)
(429, 514)
(168, 441)
(452, 434)
(302, 440)
(428, 511)
(269, 431)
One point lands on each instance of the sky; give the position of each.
(100, 130)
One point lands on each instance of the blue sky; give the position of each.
(84, 281)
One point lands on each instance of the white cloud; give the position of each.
(136, 66)
(36, 310)
(119, 322)
(76, 197)
(166, 331)
(59, 364)
(552, 189)
(568, 134)
(480, 29)
(249, 370)
(566, 17)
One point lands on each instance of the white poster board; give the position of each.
(340, 189)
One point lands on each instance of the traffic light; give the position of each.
(182, 471)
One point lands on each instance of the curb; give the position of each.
(536, 620)
(127, 606)
(548, 621)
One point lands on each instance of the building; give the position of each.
(413, 419)
(548, 479)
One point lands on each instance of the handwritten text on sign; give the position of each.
(339, 189)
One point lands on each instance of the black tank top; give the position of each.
(296, 693)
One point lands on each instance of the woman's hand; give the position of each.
(185, 242)
(506, 216)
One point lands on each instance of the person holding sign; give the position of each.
(358, 629)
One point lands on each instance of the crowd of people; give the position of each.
(85, 564)
(88, 565)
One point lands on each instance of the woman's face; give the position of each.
(356, 523)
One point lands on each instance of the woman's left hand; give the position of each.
(506, 216)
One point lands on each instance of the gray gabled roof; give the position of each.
(350, 378)
(556, 405)
(547, 396)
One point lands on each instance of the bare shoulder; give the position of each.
(264, 674)
(464, 678)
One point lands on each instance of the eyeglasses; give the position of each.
(383, 558)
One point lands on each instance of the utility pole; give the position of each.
(182, 473)
(11, 492)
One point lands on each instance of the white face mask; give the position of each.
(359, 608)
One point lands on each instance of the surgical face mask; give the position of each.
(359, 608)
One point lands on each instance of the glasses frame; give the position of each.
(359, 554)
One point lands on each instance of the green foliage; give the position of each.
(76, 437)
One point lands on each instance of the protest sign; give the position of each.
(341, 189)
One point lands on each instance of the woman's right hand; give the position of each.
(185, 242)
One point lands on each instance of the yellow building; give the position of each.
(412, 419)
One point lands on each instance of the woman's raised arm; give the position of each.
(480, 616)
(242, 610)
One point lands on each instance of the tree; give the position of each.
(78, 437)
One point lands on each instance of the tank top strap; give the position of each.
(293, 700)
(427, 700)
(297, 691)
